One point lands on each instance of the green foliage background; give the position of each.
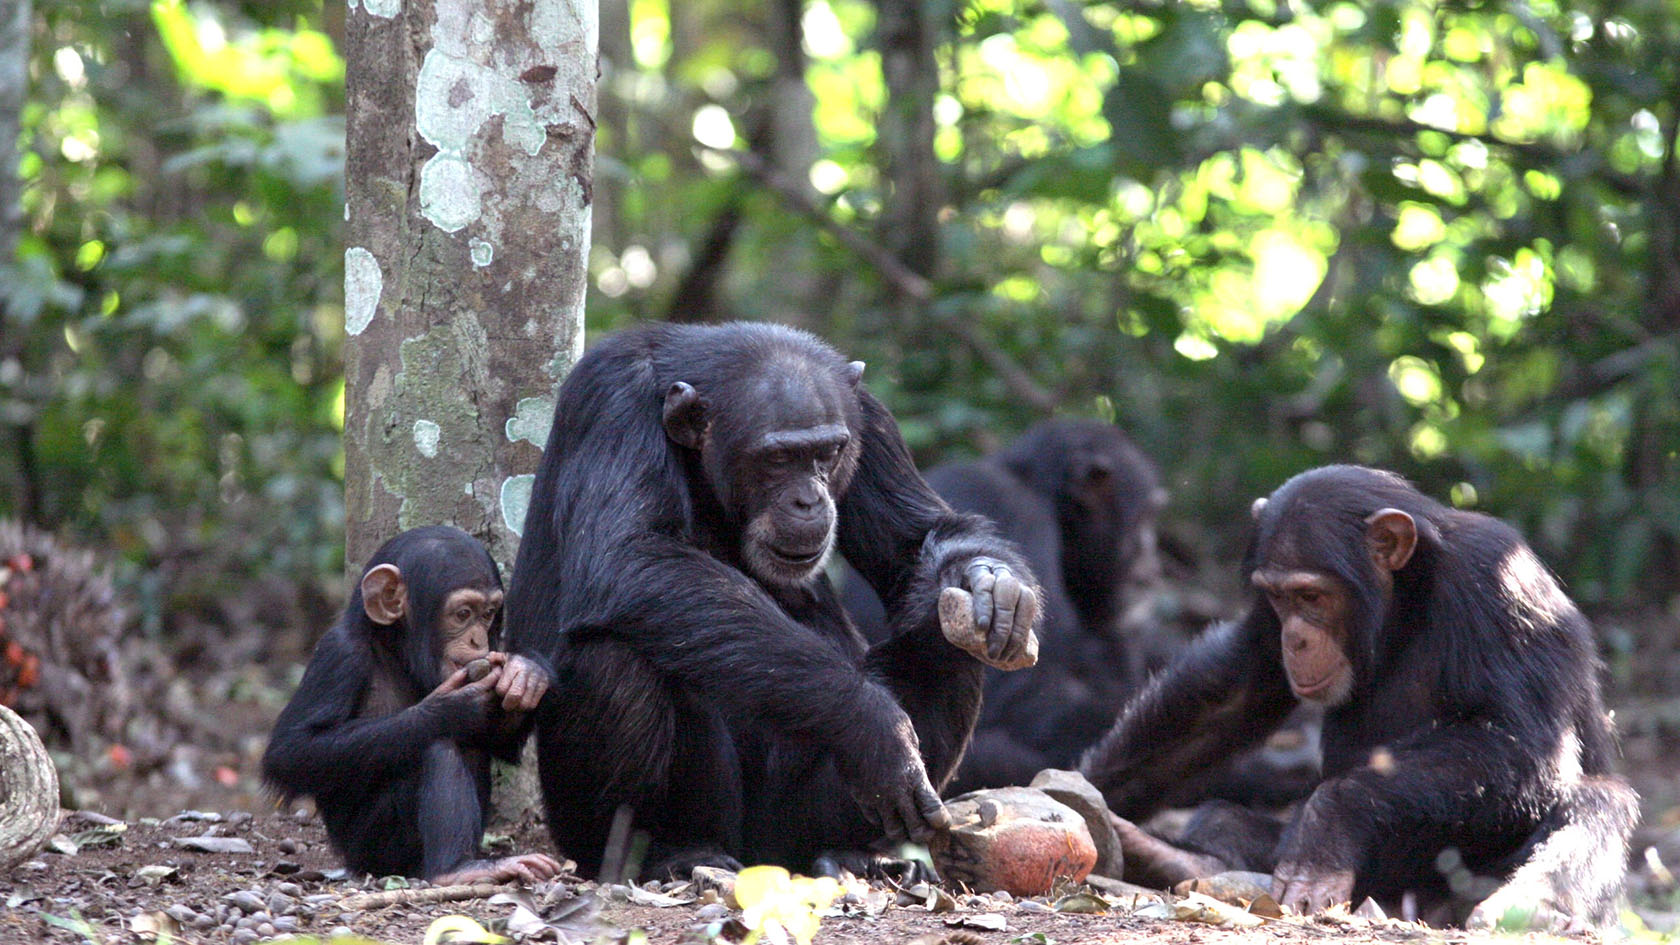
(1435, 236)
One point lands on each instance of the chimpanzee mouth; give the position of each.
(798, 560)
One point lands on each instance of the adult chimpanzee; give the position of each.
(706, 679)
(1081, 500)
(388, 732)
(1464, 736)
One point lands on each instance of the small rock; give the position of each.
(244, 937)
(261, 915)
(1033, 905)
(339, 930)
(287, 845)
(1071, 788)
(244, 900)
(239, 818)
(205, 923)
(266, 929)
(185, 915)
(1002, 895)
(289, 889)
(1028, 842)
(715, 912)
(1235, 887)
(279, 903)
(286, 924)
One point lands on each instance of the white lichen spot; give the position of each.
(450, 101)
(448, 192)
(516, 500)
(530, 421)
(426, 434)
(481, 251)
(363, 284)
(384, 9)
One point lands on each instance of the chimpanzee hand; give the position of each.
(522, 682)
(1309, 889)
(1317, 857)
(989, 613)
(891, 785)
(464, 704)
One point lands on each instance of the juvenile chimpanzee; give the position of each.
(388, 732)
(1464, 736)
(1081, 501)
(671, 572)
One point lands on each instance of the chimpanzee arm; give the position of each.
(1224, 693)
(318, 745)
(1472, 775)
(910, 545)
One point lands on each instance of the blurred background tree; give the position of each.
(1442, 237)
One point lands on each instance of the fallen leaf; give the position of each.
(990, 921)
(108, 835)
(151, 926)
(460, 929)
(1210, 911)
(208, 844)
(1081, 903)
(154, 874)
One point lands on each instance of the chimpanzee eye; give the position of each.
(826, 454)
(464, 614)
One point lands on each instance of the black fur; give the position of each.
(737, 718)
(1475, 725)
(401, 781)
(1080, 499)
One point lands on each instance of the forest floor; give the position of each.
(119, 873)
(135, 881)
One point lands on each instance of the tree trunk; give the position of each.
(28, 791)
(468, 185)
(14, 89)
(907, 33)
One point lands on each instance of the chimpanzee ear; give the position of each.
(1392, 535)
(1256, 508)
(685, 416)
(384, 594)
(854, 373)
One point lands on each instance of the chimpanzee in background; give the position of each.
(670, 572)
(1464, 740)
(388, 733)
(1081, 501)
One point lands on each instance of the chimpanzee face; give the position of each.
(466, 625)
(1315, 612)
(778, 450)
(1331, 590)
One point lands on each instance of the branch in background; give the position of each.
(695, 298)
(1333, 119)
(900, 277)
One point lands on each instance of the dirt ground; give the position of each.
(117, 872)
(134, 881)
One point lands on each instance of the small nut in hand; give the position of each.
(477, 669)
(956, 620)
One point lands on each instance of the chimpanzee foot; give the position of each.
(874, 866)
(679, 865)
(527, 868)
(1153, 862)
